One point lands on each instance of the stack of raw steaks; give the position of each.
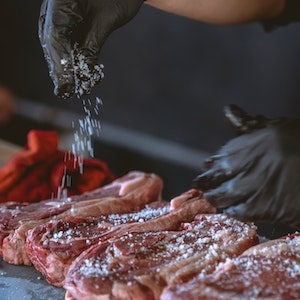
(122, 241)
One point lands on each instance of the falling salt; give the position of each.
(85, 128)
(72, 210)
(64, 61)
(69, 180)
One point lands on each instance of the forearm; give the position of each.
(222, 11)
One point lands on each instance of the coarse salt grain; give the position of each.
(85, 78)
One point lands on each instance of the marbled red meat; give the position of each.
(140, 264)
(270, 270)
(54, 245)
(128, 193)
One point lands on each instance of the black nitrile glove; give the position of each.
(256, 176)
(290, 14)
(72, 33)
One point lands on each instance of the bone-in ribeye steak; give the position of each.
(53, 246)
(139, 265)
(270, 270)
(128, 193)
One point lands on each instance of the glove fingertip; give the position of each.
(239, 212)
(230, 211)
(214, 198)
(64, 86)
(202, 182)
(65, 91)
(236, 117)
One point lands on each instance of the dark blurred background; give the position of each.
(166, 82)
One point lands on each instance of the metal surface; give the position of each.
(25, 283)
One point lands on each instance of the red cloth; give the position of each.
(39, 171)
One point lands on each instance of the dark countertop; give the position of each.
(25, 283)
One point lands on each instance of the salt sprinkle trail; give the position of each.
(84, 130)
(85, 78)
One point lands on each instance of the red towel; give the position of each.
(41, 170)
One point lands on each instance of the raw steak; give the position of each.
(54, 245)
(270, 270)
(139, 265)
(128, 193)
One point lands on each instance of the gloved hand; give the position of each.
(72, 33)
(256, 176)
